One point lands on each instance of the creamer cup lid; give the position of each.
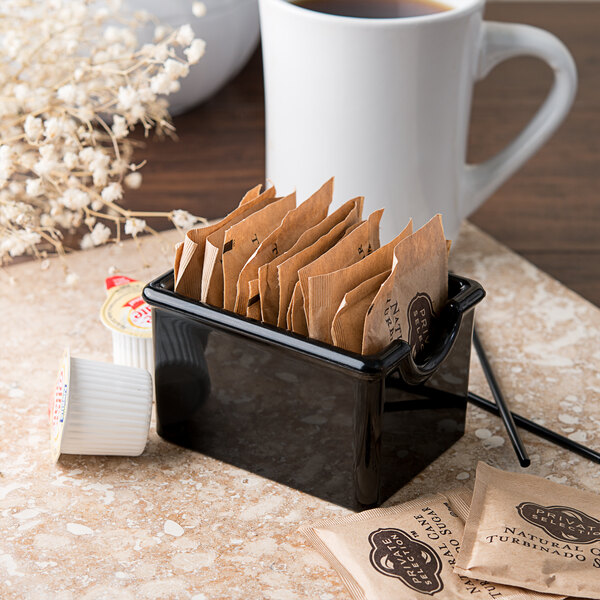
(59, 401)
(125, 311)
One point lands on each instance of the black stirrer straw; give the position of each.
(503, 409)
(539, 430)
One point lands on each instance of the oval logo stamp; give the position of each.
(396, 553)
(561, 522)
(420, 320)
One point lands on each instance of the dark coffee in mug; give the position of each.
(374, 9)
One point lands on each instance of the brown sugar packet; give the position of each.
(287, 271)
(460, 501)
(294, 224)
(177, 261)
(531, 532)
(409, 301)
(212, 269)
(189, 255)
(267, 273)
(295, 318)
(252, 194)
(403, 552)
(352, 228)
(288, 316)
(239, 243)
(253, 310)
(325, 291)
(271, 293)
(348, 322)
(358, 244)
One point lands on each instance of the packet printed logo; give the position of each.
(420, 321)
(561, 522)
(397, 554)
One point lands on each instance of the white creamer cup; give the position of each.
(129, 319)
(100, 409)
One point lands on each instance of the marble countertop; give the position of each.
(176, 524)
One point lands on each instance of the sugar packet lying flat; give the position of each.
(528, 531)
(404, 552)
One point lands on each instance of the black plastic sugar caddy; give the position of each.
(347, 428)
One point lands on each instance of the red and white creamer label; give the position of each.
(57, 407)
(126, 311)
(141, 316)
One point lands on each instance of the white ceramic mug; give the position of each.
(384, 105)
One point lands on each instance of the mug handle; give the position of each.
(499, 42)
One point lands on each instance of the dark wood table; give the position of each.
(549, 211)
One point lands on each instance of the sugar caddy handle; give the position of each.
(499, 42)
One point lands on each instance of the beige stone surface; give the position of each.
(176, 524)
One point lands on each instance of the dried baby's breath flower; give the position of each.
(133, 180)
(198, 9)
(100, 234)
(183, 219)
(185, 35)
(160, 32)
(112, 192)
(75, 83)
(195, 52)
(119, 127)
(134, 226)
